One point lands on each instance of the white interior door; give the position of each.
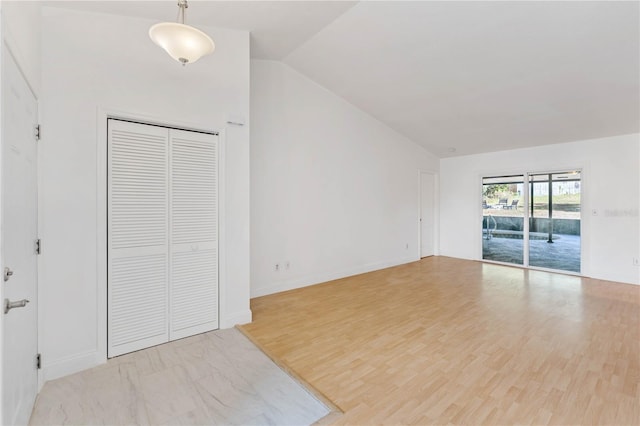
(138, 237)
(19, 235)
(194, 233)
(427, 214)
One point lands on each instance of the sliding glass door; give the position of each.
(538, 226)
(503, 219)
(554, 223)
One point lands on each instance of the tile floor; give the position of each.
(218, 377)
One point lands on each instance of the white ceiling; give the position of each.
(465, 76)
(277, 27)
(484, 76)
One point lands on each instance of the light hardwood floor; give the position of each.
(444, 341)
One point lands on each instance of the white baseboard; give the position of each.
(328, 276)
(617, 277)
(237, 318)
(63, 367)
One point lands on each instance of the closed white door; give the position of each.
(194, 233)
(19, 235)
(427, 214)
(163, 235)
(138, 236)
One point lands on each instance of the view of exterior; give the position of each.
(552, 212)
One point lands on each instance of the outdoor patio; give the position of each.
(562, 254)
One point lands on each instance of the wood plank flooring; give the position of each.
(449, 341)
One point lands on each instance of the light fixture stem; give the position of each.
(182, 4)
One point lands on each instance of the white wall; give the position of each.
(611, 185)
(21, 32)
(92, 62)
(334, 192)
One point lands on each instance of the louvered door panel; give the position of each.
(194, 233)
(193, 187)
(138, 295)
(194, 290)
(138, 236)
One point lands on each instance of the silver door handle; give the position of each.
(7, 273)
(8, 305)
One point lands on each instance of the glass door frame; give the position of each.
(527, 218)
(508, 178)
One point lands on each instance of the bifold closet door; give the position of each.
(162, 235)
(193, 293)
(138, 236)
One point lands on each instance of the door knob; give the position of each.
(8, 305)
(7, 273)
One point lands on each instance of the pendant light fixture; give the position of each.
(182, 42)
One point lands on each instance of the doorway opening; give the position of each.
(428, 213)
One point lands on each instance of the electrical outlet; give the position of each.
(277, 267)
(287, 265)
(636, 261)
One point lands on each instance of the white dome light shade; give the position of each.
(183, 43)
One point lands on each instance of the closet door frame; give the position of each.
(99, 355)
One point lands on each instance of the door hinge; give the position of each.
(38, 246)
(37, 132)
(39, 361)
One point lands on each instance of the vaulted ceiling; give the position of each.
(277, 27)
(456, 77)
